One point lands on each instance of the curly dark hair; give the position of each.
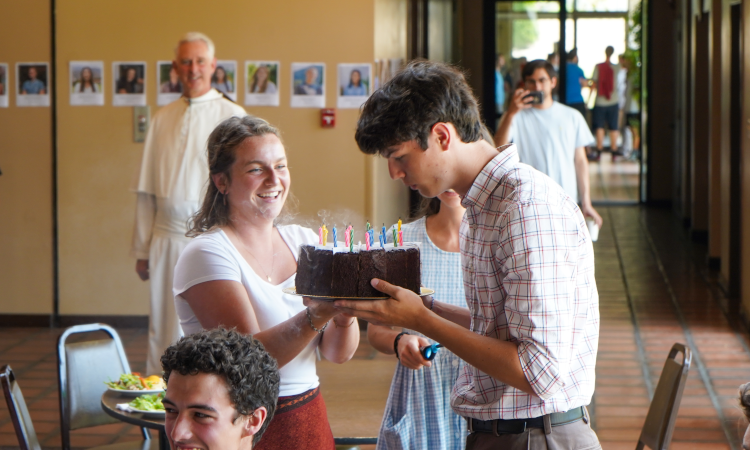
(251, 374)
(416, 98)
(745, 399)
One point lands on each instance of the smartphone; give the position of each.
(536, 97)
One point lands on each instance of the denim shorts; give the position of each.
(602, 115)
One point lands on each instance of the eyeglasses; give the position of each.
(430, 351)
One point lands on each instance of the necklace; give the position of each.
(260, 266)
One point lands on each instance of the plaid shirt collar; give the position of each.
(488, 179)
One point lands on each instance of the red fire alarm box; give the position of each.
(327, 117)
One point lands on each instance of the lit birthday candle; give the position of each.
(335, 243)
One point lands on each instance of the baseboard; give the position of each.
(114, 321)
(713, 262)
(700, 236)
(45, 320)
(666, 204)
(25, 320)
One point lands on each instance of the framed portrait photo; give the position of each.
(262, 83)
(354, 85)
(129, 83)
(32, 84)
(86, 79)
(308, 85)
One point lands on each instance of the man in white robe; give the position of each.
(171, 183)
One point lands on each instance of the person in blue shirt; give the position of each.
(500, 84)
(33, 85)
(355, 86)
(575, 81)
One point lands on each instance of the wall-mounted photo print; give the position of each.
(355, 81)
(170, 87)
(225, 78)
(86, 83)
(3, 85)
(129, 81)
(32, 80)
(308, 85)
(261, 83)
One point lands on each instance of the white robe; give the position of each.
(171, 183)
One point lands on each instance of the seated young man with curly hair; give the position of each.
(222, 389)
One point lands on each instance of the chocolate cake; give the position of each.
(342, 273)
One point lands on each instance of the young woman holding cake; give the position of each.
(418, 414)
(233, 272)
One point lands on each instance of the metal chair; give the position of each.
(25, 433)
(659, 425)
(82, 369)
(19, 413)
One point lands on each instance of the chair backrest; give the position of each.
(19, 413)
(657, 431)
(82, 369)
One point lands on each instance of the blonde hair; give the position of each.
(194, 36)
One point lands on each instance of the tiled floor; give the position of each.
(652, 294)
(614, 182)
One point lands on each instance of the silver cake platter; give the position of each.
(293, 291)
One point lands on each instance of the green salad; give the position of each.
(135, 382)
(148, 402)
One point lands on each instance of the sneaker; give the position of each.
(594, 155)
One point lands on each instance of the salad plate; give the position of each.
(133, 384)
(148, 404)
(130, 393)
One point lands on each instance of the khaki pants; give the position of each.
(574, 436)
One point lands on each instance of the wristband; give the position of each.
(395, 343)
(309, 320)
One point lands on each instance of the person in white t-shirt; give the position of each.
(233, 274)
(550, 136)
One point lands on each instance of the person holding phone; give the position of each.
(550, 136)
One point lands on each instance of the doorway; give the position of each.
(521, 31)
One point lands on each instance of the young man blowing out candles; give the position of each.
(531, 330)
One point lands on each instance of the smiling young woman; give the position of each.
(233, 274)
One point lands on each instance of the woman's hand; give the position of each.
(409, 354)
(320, 310)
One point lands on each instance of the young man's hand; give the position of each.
(402, 309)
(518, 102)
(589, 211)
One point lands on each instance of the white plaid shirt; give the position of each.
(528, 270)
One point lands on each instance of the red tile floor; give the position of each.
(654, 291)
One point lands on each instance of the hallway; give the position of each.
(653, 292)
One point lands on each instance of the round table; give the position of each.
(109, 405)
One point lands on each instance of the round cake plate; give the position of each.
(293, 291)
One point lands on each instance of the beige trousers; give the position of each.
(574, 436)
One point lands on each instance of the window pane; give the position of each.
(594, 35)
(602, 5)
